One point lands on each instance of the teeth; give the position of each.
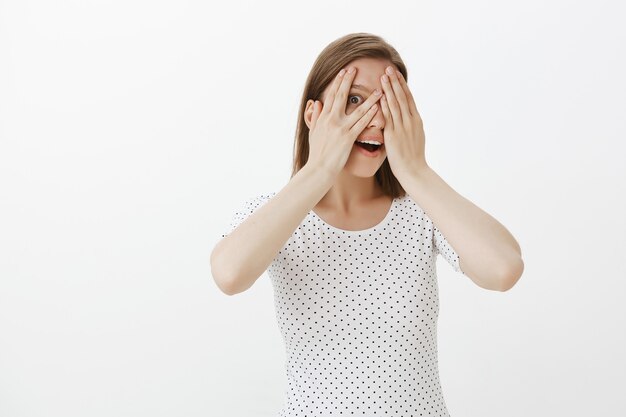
(373, 142)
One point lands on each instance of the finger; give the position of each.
(398, 91)
(407, 93)
(363, 121)
(392, 102)
(384, 106)
(330, 95)
(341, 97)
(363, 108)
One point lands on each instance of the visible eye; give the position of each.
(350, 98)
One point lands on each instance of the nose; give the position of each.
(378, 120)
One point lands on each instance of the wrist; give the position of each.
(320, 172)
(417, 170)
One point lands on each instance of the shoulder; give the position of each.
(246, 207)
(254, 201)
(410, 206)
(259, 198)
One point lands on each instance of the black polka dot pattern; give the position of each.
(358, 312)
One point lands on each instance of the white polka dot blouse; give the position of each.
(358, 313)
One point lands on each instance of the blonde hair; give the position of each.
(328, 63)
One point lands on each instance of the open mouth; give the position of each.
(369, 146)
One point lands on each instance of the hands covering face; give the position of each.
(404, 131)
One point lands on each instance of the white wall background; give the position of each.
(130, 131)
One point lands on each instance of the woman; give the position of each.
(350, 249)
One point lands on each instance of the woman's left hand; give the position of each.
(404, 131)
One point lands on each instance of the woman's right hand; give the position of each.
(333, 133)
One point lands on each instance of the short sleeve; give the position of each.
(443, 247)
(248, 207)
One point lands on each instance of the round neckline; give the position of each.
(381, 224)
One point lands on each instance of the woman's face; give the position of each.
(366, 80)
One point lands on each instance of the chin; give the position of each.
(364, 167)
(362, 173)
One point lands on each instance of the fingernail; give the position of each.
(351, 70)
(343, 71)
(385, 78)
(390, 70)
(377, 92)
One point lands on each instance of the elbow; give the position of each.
(221, 282)
(228, 279)
(223, 285)
(511, 275)
(220, 276)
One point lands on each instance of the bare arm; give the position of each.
(488, 253)
(239, 259)
(243, 255)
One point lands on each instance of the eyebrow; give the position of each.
(360, 87)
